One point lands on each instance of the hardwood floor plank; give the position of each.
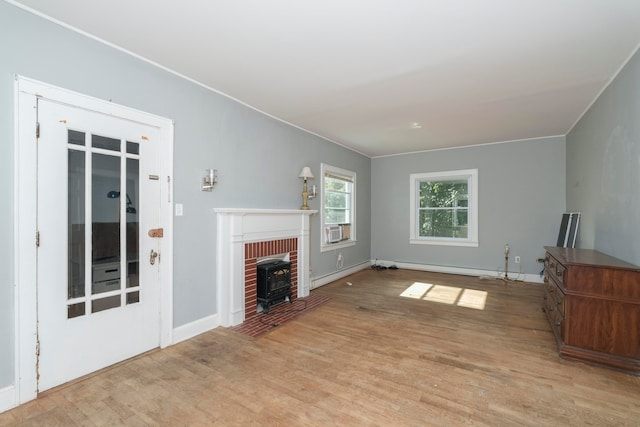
(369, 356)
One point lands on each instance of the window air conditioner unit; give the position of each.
(333, 233)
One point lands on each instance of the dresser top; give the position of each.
(588, 257)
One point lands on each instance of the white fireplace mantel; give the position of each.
(235, 227)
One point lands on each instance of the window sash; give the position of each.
(447, 218)
(337, 203)
(338, 206)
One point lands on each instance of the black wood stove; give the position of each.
(274, 283)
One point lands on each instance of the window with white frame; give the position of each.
(338, 203)
(444, 208)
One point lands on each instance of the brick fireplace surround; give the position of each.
(246, 235)
(256, 250)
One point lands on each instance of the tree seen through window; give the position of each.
(444, 208)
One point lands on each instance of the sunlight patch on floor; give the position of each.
(473, 298)
(417, 290)
(469, 298)
(443, 294)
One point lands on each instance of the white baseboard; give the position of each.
(316, 282)
(515, 276)
(197, 327)
(8, 398)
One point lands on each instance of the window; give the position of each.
(338, 208)
(444, 208)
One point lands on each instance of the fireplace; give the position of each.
(246, 236)
(274, 283)
(257, 252)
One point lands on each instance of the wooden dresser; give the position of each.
(592, 301)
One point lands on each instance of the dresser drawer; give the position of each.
(560, 274)
(555, 302)
(558, 324)
(560, 297)
(555, 269)
(554, 308)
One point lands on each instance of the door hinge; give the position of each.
(37, 239)
(37, 129)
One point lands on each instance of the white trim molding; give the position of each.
(197, 327)
(8, 398)
(316, 282)
(489, 274)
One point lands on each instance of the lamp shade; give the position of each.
(305, 173)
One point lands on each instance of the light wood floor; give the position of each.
(367, 357)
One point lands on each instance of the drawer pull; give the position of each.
(558, 273)
(113, 270)
(557, 323)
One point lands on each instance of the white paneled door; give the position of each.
(98, 198)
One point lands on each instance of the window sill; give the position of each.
(466, 243)
(325, 247)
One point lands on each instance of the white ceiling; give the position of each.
(362, 72)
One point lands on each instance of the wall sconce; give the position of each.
(306, 174)
(209, 180)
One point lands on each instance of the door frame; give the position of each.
(27, 91)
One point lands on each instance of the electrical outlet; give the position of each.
(517, 260)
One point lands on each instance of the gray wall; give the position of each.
(603, 168)
(258, 158)
(520, 194)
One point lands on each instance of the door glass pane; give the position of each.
(133, 297)
(75, 310)
(76, 224)
(133, 191)
(75, 137)
(105, 303)
(105, 233)
(133, 147)
(98, 141)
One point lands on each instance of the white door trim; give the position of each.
(25, 184)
